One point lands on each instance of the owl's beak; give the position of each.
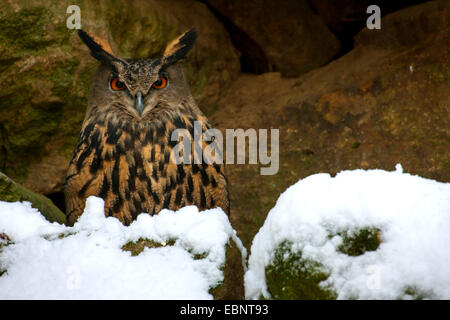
(139, 105)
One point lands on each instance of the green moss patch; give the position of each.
(291, 277)
(356, 243)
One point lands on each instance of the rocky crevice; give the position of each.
(253, 59)
(344, 19)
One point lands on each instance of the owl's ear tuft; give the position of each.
(178, 48)
(94, 43)
(101, 50)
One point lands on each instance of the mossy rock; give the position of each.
(136, 247)
(11, 191)
(290, 276)
(415, 293)
(231, 288)
(357, 242)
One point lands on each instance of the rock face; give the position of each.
(232, 288)
(293, 39)
(385, 102)
(46, 72)
(346, 17)
(290, 276)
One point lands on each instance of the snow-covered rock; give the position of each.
(172, 255)
(360, 235)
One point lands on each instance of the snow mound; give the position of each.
(46, 260)
(405, 217)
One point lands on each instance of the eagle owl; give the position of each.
(124, 149)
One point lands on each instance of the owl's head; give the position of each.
(139, 88)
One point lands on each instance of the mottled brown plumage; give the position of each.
(124, 152)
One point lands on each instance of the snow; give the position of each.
(412, 214)
(51, 261)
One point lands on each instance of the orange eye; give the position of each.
(117, 85)
(161, 83)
